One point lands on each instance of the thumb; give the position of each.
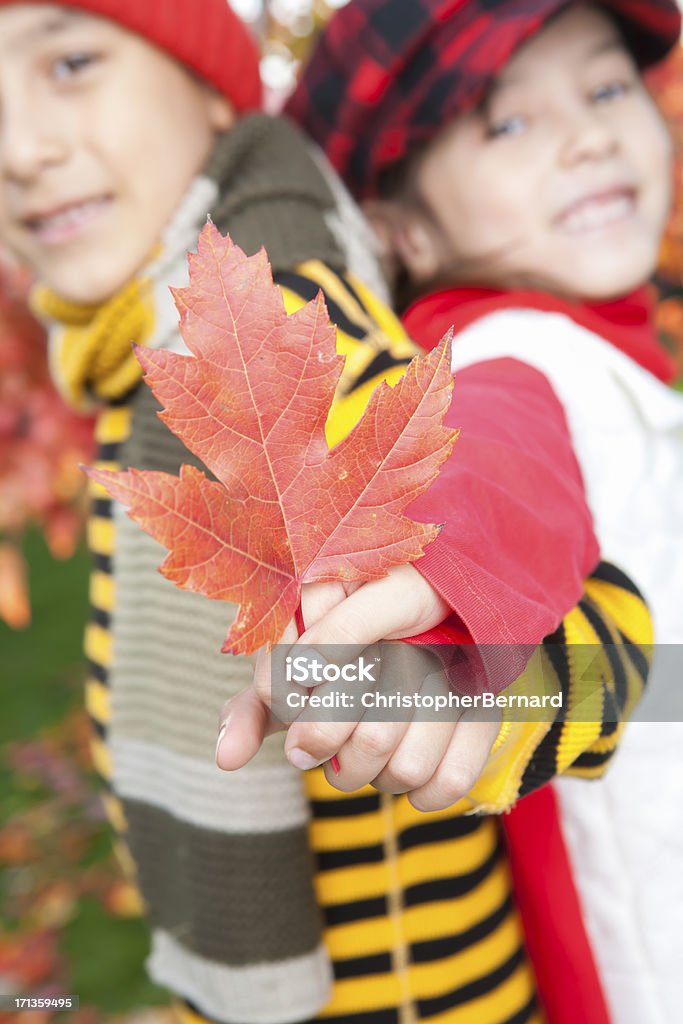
(245, 723)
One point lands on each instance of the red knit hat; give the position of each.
(206, 35)
(388, 74)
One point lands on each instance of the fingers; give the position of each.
(460, 767)
(365, 742)
(245, 722)
(317, 599)
(435, 763)
(309, 744)
(394, 756)
(400, 604)
(262, 671)
(366, 745)
(312, 738)
(320, 740)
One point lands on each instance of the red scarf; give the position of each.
(627, 323)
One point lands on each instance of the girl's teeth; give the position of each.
(598, 214)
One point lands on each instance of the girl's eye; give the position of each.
(612, 90)
(71, 64)
(510, 126)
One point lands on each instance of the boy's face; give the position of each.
(100, 136)
(561, 181)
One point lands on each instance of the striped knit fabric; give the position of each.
(418, 910)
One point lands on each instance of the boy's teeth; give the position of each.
(598, 214)
(67, 218)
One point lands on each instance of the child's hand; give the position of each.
(399, 604)
(436, 763)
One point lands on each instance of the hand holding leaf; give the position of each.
(251, 401)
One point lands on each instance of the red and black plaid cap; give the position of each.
(385, 75)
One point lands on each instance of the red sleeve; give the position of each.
(518, 540)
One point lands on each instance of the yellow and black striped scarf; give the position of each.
(91, 355)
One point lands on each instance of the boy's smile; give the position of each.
(561, 180)
(66, 221)
(92, 167)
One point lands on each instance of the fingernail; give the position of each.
(312, 656)
(300, 759)
(336, 767)
(221, 734)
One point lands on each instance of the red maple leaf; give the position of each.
(251, 402)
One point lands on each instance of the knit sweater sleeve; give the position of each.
(517, 541)
(598, 659)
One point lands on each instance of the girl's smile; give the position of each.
(561, 180)
(599, 210)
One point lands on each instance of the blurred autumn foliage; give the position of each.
(286, 30)
(41, 444)
(666, 83)
(57, 863)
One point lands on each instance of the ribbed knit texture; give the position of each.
(83, 360)
(264, 887)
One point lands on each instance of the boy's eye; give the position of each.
(508, 126)
(612, 90)
(70, 64)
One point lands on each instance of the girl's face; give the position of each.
(100, 136)
(561, 181)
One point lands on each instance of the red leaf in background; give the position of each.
(14, 604)
(251, 402)
(665, 82)
(28, 959)
(41, 444)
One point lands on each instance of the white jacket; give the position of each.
(624, 833)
